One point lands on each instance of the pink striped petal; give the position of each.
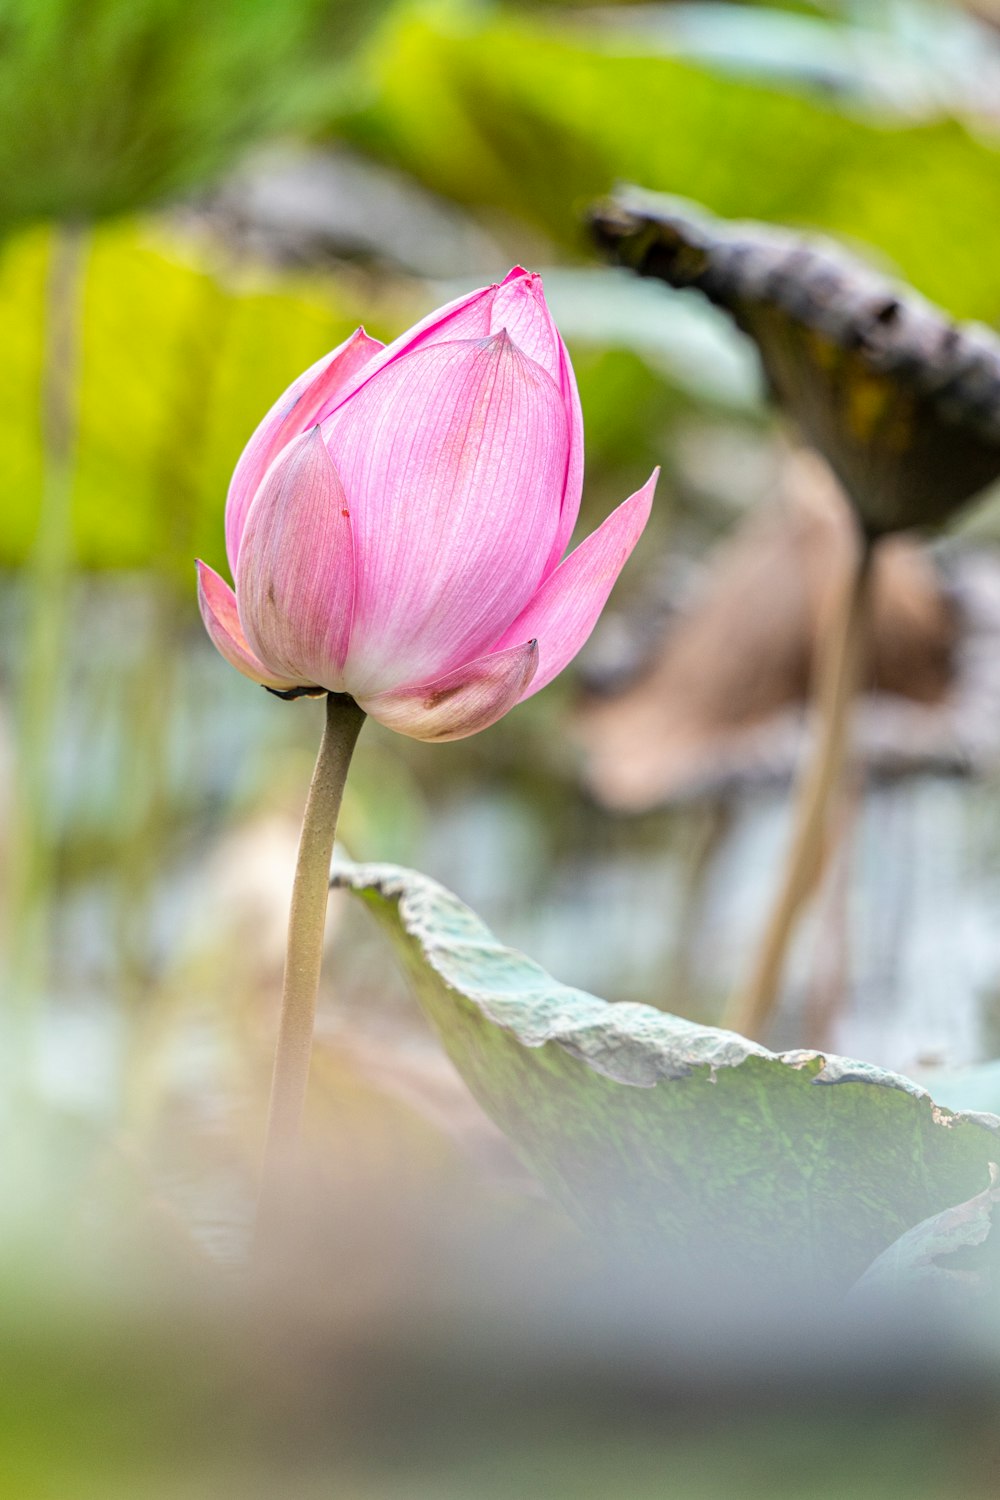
(217, 603)
(295, 576)
(519, 306)
(461, 702)
(292, 414)
(565, 610)
(467, 317)
(453, 458)
(573, 489)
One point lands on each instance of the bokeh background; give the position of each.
(196, 202)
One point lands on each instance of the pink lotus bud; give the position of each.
(395, 524)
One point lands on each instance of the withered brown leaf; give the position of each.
(902, 402)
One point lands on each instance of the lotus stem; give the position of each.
(304, 952)
(838, 680)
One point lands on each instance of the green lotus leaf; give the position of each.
(674, 1139)
(946, 1254)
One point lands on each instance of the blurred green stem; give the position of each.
(49, 578)
(304, 953)
(839, 676)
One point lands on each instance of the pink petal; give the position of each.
(467, 317)
(453, 458)
(520, 307)
(573, 488)
(517, 304)
(461, 702)
(217, 603)
(566, 608)
(292, 414)
(295, 577)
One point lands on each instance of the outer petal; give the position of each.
(468, 317)
(564, 611)
(519, 306)
(292, 414)
(295, 577)
(217, 603)
(453, 458)
(573, 490)
(461, 702)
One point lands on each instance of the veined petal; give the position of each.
(292, 414)
(295, 577)
(519, 306)
(566, 608)
(467, 317)
(573, 489)
(453, 458)
(217, 603)
(461, 702)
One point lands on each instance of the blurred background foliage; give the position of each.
(178, 360)
(623, 100)
(240, 185)
(118, 106)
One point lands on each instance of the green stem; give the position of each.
(304, 953)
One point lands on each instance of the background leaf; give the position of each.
(466, 102)
(112, 105)
(903, 403)
(179, 361)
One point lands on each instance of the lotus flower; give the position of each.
(396, 523)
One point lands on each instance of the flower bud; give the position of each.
(396, 523)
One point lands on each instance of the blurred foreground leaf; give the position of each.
(674, 1139)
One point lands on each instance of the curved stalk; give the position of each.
(840, 671)
(304, 953)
